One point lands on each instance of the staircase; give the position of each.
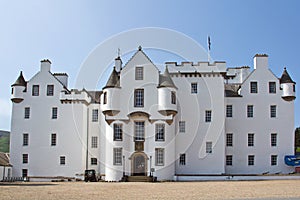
(140, 179)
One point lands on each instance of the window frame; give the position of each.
(274, 160)
(35, 90)
(139, 73)
(208, 116)
(139, 98)
(253, 87)
(25, 158)
(229, 160)
(182, 159)
(250, 111)
(53, 141)
(27, 113)
(229, 109)
(24, 173)
(25, 139)
(62, 160)
(118, 131)
(94, 161)
(209, 147)
(194, 88)
(95, 115)
(54, 114)
(104, 97)
(159, 156)
(250, 140)
(272, 87)
(173, 97)
(273, 139)
(229, 139)
(50, 90)
(94, 142)
(251, 160)
(139, 131)
(181, 126)
(273, 111)
(117, 156)
(160, 132)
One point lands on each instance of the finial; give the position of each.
(140, 48)
(119, 52)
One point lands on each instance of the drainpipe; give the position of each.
(87, 140)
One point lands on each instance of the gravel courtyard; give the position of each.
(281, 189)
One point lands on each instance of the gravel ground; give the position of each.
(281, 189)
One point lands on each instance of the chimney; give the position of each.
(261, 61)
(118, 64)
(45, 65)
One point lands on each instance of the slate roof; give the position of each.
(114, 80)
(4, 159)
(20, 81)
(231, 90)
(285, 77)
(165, 80)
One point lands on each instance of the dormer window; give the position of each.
(139, 73)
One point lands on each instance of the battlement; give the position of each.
(200, 67)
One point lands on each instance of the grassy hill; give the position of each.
(4, 141)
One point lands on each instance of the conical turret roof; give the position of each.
(20, 81)
(285, 77)
(114, 80)
(165, 80)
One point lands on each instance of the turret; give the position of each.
(167, 98)
(110, 99)
(288, 86)
(18, 89)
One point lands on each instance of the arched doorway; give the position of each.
(139, 164)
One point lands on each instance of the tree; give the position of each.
(297, 140)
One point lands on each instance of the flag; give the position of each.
(208, 43)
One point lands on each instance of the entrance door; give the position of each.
(139, 165)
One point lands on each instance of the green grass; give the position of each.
(4, 144)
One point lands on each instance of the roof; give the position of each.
(4, 159)
(285, 77)
(114, 80)
(95, 96)
(231, 90)
(20, 81)
(165, 80)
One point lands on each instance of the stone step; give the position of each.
(139, 179)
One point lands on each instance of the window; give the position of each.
(118, 132)
(250, 111)
(24, 173)
(54, 113)
(273, 111)
(181, 126)
(53, 139)
(273, 139)
(250, 139)
(139, 131)
(139, 98)
(139, 73)
(173, 97)
(253, 87)
(273, 160)
(117, 156)
(208, 147)
(294, 88)
(25, 139)
(35, 90)
(208, 116)
(250, 159)
(25, 158)
(62, 160)
(159, 156)
(94, 115)
(159, 132)
(229, 111)
(27, 113)
(182, 159)
(50, 90)
(194, 89)
(229, 160)
(94, 143)
(105, 98)
(229, 139)
(94, 161)
(272, 87)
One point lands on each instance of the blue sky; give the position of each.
(67, 31)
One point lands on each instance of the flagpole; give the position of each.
(208, 50)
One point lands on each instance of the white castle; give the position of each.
(194, 119)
